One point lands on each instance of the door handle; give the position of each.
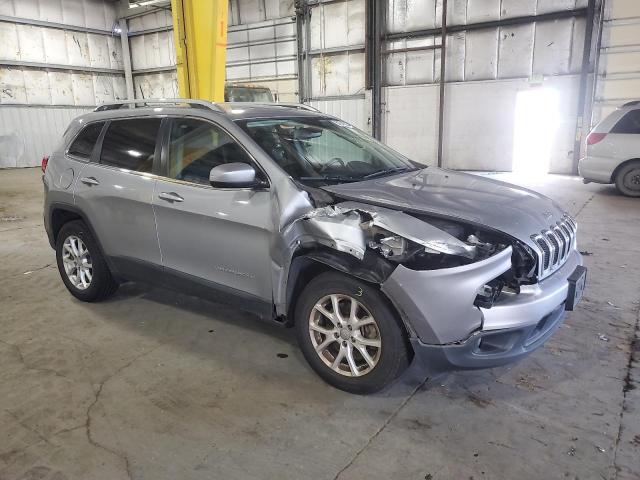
(89, 181)
(170, 197)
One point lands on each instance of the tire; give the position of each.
(388, 360)
(100, 284)
(628, 179)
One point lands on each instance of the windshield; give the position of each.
(324, 150)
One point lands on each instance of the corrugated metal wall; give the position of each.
(619, 65)
(486, 69)
(59, 56)
(29, 133)
(261, 49)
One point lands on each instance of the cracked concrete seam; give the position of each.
(626, 386)
(97, 394)
(382, 427)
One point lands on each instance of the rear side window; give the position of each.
(82, 146)
(630, 123)
(130, 144)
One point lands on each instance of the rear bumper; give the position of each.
(597, 169)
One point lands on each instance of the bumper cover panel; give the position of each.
(487, 349)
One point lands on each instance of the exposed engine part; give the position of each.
(417, 243)
(393, 246)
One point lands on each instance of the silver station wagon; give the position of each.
(299, 217)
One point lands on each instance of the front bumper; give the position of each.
(450, 333)
(487, 349)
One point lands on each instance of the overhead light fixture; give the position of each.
(144, 3)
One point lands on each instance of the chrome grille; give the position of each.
(555, 245)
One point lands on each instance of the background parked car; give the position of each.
(613, 151)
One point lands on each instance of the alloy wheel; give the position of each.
(345, 335)
(76, 260)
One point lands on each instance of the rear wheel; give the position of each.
(628, 179)
(349, 335)
(81, 264)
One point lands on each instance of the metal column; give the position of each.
(126, 57)
(200, 34)
(373, 54)
(443, 64)
(584, 106)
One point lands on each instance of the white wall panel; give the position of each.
(29, 43)
(479, 123)
(156, 85)
(618, 78)
(152, 50)
(351, 110)
(19, 147)
(38, 87)
(252, 11)
(410, 121)
(97, 14)
(481, 55)
(338, 24)
(515, 55)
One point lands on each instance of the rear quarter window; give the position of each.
(83, 145)
(630, 123)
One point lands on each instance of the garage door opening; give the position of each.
(536, 124)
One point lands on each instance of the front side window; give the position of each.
(324, 150)
(83, 145)
(630, 123)
(131, 144)
(195, 147)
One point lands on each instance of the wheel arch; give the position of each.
(307, 265)
(620, 167)
(62, 213)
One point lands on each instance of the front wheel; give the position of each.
(349, 334)
(628, 179)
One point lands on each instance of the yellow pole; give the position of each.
(200, 37)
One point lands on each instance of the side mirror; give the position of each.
(233, 175)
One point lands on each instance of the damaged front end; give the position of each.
(384, 246)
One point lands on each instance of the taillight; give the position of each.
(594, 138)
(45, 162)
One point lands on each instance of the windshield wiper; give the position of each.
(328, 178)
(389, 171)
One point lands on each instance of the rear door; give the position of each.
(217, 237)
(115, 191)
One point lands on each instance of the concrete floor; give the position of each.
(155, 385)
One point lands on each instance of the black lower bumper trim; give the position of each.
(488, 349)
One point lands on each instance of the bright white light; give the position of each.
(134, 153)
(537, 118)
(237, 110)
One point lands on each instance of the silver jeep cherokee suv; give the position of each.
(306, 221)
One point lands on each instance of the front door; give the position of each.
(215, 237)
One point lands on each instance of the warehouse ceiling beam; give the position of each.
(200, 34)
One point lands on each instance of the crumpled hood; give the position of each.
(514, 210)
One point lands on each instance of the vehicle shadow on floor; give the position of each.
(201, 317)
